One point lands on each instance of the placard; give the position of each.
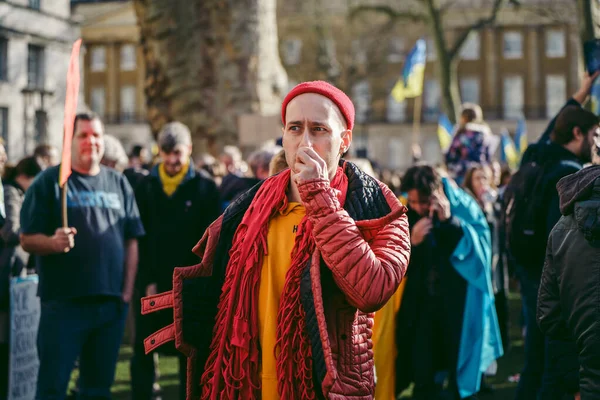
(25, 310)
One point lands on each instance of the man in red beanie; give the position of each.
(281, 304)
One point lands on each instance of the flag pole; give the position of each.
(416, 136)
(65, 220)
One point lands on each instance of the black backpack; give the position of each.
(525, 209)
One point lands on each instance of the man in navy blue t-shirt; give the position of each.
(87, 271)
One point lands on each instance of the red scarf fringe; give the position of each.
(232, 370)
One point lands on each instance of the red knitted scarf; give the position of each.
(232, 370)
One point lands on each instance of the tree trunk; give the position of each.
(449, 87)
(447, 64)
(450, 97)
(208, 62)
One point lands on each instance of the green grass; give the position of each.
(169, 376)
(508, 365)
(121, 389)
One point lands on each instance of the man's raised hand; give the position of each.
(309, 166)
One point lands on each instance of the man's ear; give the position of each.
(346, 140)
(577, 134)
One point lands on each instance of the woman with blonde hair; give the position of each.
(480, 185)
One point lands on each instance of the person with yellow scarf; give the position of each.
(176, 204)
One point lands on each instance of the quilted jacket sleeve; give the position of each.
(367, 272)
(549, 314)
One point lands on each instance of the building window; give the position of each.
(513, 97)
(556, 94)
(513, 45)
(4, 125)
(98, 100)
(3, 59)
(397, 153)
(470, 49)
(41, 126)
(98, 59)
(430, 50)
(469, 90)
(128, 103)
(395, 50)
(128, 56)
(35, 67)
(35, 4)
(359, 52)
(555, 43)
(292, 48)
(361, 96)
(395, 112)
(431, 100)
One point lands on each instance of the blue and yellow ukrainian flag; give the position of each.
(521, 142)
(595, 97)
(410, 83)
(444, 132)
(508, 152)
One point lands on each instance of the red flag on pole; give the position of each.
(70, 111)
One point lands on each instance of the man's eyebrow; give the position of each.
(295, 123)
(319, 123)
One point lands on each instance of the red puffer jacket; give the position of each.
(365, 262)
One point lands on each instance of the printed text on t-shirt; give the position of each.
(98, 199)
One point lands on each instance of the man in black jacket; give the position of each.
(579, 99)
(568, 306)
(176, 204)
(570, 147)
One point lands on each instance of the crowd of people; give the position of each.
(296, 275)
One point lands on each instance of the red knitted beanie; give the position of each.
(325, 89)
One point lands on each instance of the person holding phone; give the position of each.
(444, 221)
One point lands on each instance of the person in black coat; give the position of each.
(569, 297)
(177, 203)
(570, 148)
(429, 323)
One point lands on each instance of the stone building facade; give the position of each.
(35, 45)
(113, 68)
(525, 65)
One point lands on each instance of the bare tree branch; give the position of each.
(482, 23)
(567, 13)
(447, 6)
(390, 12)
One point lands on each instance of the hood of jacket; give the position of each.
(576, 187)
(579, 194)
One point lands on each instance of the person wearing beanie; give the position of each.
(177, 204)
(280, 303)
